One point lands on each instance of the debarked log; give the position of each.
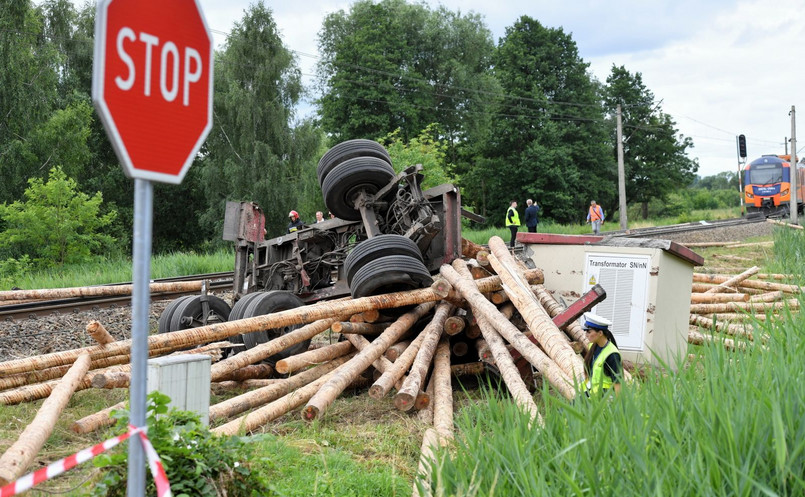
(746, 306)
(312, 357)
(735, 280)
(97, 291)
(347, 327)
(716, 298)
(99, 333)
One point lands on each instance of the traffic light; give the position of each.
(742, 146)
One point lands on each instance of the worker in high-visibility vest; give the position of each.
(602, 362)
(513, 221)
(595, 216)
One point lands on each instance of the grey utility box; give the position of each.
(185, 379)
(648, 285)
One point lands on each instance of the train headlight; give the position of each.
(784, 193)
(749, 195)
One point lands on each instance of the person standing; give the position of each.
(602, 363)
(595, 216)
(319, 217)
(295, 223)
(513, 221)
(531, 215)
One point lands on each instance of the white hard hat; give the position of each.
(596, 322)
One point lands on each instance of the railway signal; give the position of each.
(742, 146)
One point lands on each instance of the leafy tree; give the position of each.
(254, 152)
(392, 65)
(56, 224)
(546, 140)
(425, 150)
(654, 154)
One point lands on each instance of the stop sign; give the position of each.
(152, 84)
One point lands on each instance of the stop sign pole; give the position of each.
(152, 88)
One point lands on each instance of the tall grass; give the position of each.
(728, 423)
(120, 270)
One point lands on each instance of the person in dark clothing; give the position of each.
(513, 221)
(531, 215)
(295, 223)
(602, 363)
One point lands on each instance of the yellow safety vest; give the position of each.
(598, 380)
(515, 218)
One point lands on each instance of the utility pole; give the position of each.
(794, 176)
(621, 173)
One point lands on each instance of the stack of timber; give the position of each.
(727, 308)
(487, 308)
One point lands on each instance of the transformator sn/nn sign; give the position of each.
(152, 84)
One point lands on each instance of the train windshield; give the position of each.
(764, 174)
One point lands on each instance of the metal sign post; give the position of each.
(140, 303)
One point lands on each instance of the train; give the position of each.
(767, 185)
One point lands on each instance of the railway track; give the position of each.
(216, 282)
(656, 231)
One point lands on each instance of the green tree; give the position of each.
(254, 151)
(655, 160)
(546, 140)
(56, 224)
(392, 65)
(424, 149)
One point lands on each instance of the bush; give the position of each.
(196, 461)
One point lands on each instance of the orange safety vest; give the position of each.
(596, 213)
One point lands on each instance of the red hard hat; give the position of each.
(293, 214)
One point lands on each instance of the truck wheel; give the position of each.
(376, 247)
(164, 322)
(346, 180)
(190, 313)
(392, 273)
(237, 313)
(349, 150)
(267, 303)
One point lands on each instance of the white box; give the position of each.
(185, 379)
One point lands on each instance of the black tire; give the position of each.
(392, 273)
(349, 178)
(164, 321)
(190, 313)
(237, 313)
(267, 303)
(349, 150)
(376, 247)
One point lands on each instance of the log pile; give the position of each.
(487, 308)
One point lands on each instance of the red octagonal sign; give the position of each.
(152, 84)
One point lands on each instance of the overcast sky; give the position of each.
(721, 68)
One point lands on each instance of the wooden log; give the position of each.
(250, 372)
(393, 352)
(767, 286)
(356, 318)
(774, 276)
(478, 271)
(319, 403)
(98, 291)
(730, 257)
(468, 369)
(768, 297)
(345, 327)
(222, 387)
(262, 396)
(484, 352)
(746, 306)
(395, 373)
(739, 316)
(714, 298)
(703, 287)
(459, 348)
(312, 357)
(735, 280)
(783, 223)
(730, 329)
(499, 297)
(17, 458)
(111, 380)
(696, 338)
(473, 331)
(425, 414)
(708, 244)
(482, 308)
(443, 392)
(96, 421)
(755, 244)
(454, 325)
(542, 327)
(219, 331)
(370, 315)
(554, 308)
(412, 385)
(470, 249)
(430, 441)
(97, 331)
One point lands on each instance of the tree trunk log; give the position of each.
(696, 338)
(443, 392)
(554, 308)
(313, 357)
(393, 352)
(703, 287)
(100, 419)
(470, 249)
(735, 280)
(551, 338)
(250, 372)
(262, 396)
(768, 297)
(319, 403)
(468, 369)
(454, 325)
(345, 327)
(21, 454)
(97, 331)
(430, 441)
(767, 286)
(97, 291)
(111, 380)
(730, 329)
(706, 309)
(485, 310)
(220, 331)
(718, 298)
(425, 414)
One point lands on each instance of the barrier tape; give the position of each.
(55, 469)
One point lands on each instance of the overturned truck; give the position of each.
(388, 235)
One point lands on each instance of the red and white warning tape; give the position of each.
(55, 469)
